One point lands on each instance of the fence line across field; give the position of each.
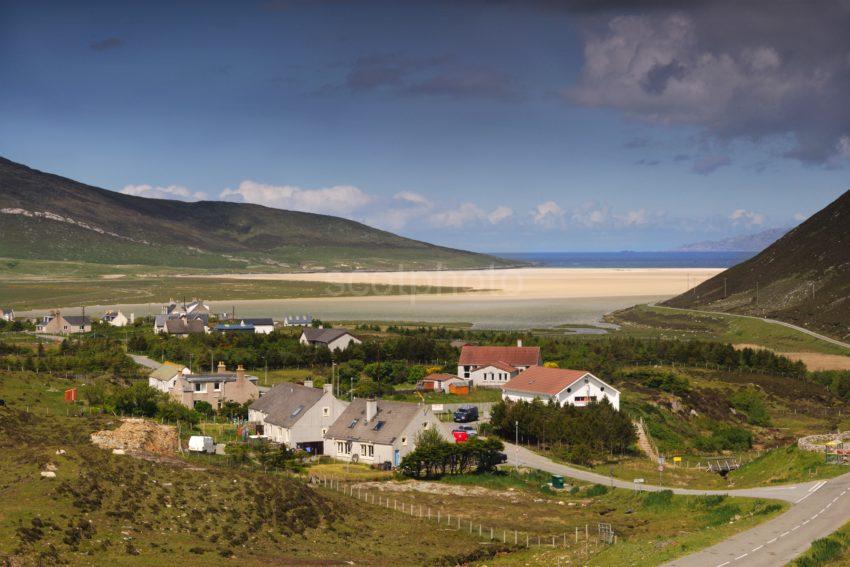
(604, 533)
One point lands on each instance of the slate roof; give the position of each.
(184, 327)
(166, 371)
(259, 321)
(281, 403)
(7, 311)
(471, 355)
(324, 336)
(216, 377)
(77, 320)
(298, 319)
(227, 327)
(396, 416)
(545, 381)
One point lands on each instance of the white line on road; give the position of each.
(724, 564)
(756, 548)
(741, 556)
(811, 491)
(771, 541)
(783, 534)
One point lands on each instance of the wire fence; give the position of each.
(586, 539)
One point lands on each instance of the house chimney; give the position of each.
(308, 383)
(221, 367)
(519, 342)
(240, 374)
(328, 388)
(371, 409)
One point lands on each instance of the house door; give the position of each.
(395, 458)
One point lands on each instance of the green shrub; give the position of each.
(722, 514)
(751, 402)
(660, 499)
(596, 490)
(710, 501)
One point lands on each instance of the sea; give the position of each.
(629, 259)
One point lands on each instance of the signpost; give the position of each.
(638, 482)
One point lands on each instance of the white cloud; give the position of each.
(548, 215)
(177, 192)
(500, 214)
(747, 218)
(470, 213)
(336, 200)
(636, 218)
(800, 217)
(412, 198)
(592, 214)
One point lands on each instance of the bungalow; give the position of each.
(493, 366)
(379, 431)
(215, 388)
(117, 318)
(56, 323)
(297, 416)
(262, 325)
(7, 315)
(333, 339)
(297, 320)
(159, 322)
(560, 386)
(445, 383)
(183, 327)
(165, 377)
(234, 328)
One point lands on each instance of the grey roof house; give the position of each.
(333, 339)
(297, 416)
(379, 431)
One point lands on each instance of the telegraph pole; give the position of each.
(516, 446)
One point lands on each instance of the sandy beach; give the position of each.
(522, 283)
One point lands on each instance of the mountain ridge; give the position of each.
(803, 278)
(754, 242)
(50, 217)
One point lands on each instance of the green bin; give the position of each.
(557, 481)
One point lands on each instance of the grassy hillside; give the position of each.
(48, 217)
(803, 278)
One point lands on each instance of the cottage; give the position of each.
(560, 386)
(117, 318)
(215, 388)
(7, 315)
(333, 339)
(234, 328)
(297, 320)
(183, 327)
(379, 431)
(297, 416)
(445, 383)
(56, 323)
(493, 366)
(262, 325)
(165, 377)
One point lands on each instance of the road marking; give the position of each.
(794, 528)
(756, 548)
(815, 516)
(741, 556)
(783, 534)
(834, 499)
(724, 564)
(811, 491)
(771, 541)
(806, 522)
(828, 505)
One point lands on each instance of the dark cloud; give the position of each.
(106, 44)
(710, 164)
(777, 72)
(434, 77)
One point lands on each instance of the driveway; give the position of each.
(818, 508)
(145, 361)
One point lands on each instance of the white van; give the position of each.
(201, 444)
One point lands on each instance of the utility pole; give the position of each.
(516, 446)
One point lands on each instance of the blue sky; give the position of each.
(489, 125)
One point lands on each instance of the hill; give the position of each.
(741, 243)
(48, 217)
(802, 278)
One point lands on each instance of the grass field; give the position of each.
(476, 395)
(654, 321)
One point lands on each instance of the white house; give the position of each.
(297, 320)
(117, 318)
(165, 377)
(561, 386)
(297, 416)
(333, 339)
(379, 431)
(7, 315)
(262, 325)
(493, 366)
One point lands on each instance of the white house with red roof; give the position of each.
(560, 386)
(494, 366)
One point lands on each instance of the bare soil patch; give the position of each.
(427, 487)
(138, 435)
(812, 360)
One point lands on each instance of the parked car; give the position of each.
(460, 436)
(466, 414)
(468, 429)
(201, 444)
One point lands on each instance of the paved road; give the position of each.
(818, 508)
(145, 361)
(766, 320)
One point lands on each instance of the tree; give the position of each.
(138, 400)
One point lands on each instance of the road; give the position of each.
(766, 320)
(145, 361)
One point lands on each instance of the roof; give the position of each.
(324, 335)
(471, 355)
(542, 380)
(216, 377)
(7, 311)
(440, 378)
(183, 327)
(166, 371)
(234, 327)
(259, 321)
(503, 366)
(281, 404)
(294, 318)
(77, 320)
(396, 416)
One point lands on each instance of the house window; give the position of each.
(425, 425)
(367, 451)
(200, 387)
(343, 448)
(326, 411)
(404, 440)
(324, 431)
(216, 386)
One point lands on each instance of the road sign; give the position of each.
(677, 459)
(661, 460)
(639, 481)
